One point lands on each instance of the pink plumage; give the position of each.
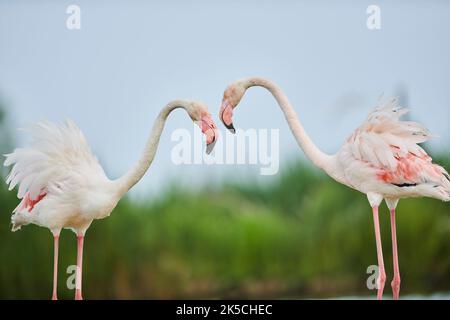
(28, 204)
(382, 159)
(62, 185)
(383, 156)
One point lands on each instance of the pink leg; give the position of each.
(80, 240)
(55, 267)
(396, 281)
(381, 272)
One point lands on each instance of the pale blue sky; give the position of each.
(129, 59)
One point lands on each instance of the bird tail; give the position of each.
(19, 219)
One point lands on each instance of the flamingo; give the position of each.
(62, 185)
(382, 159)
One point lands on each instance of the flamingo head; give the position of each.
(231, 98)
(200, 115)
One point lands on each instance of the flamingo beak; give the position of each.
(209, 128)
(226, 115)
(210, 147)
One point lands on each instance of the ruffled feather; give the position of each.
(391, 145)
(56, 150)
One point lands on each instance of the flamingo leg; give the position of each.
(396, 281)
(80, 241)
(381, 271)
(55, 266)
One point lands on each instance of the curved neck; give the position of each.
(135, 174)
(319, 158)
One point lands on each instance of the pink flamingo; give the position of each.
(62, 185)
(381, 158)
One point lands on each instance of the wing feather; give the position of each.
(387, 143)
(54, 152)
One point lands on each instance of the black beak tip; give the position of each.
(210, 147)
(231, 128)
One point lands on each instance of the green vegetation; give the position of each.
(301, 236)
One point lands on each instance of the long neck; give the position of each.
(319, 158)
(135, 174)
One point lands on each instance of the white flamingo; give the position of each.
(381, 158)
(62, 185)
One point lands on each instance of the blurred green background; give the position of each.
(301, 236)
